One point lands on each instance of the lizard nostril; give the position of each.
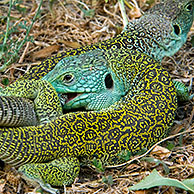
(108, 81)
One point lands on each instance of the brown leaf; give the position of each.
(2, 184)
(135, 13)
(45, 52)
(161, 152)
(71, 44)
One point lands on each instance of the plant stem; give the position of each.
(15, 55)
(7, 30)
(123, 12)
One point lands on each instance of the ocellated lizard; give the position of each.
(141, 118)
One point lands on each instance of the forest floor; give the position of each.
(63, 25)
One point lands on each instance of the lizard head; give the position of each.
(86, 81)
(179, 15)
(163, 29)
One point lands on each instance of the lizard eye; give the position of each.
(68, 78)
(176, 29)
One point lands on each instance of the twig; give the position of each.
(24, 53)
(138, 157)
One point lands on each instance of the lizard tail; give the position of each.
(16, 112)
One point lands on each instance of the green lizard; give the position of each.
(150, 89)
(96, 93)
(86, 82)
(158, 33)
(137, 121)
(72, 77)
(154, 35)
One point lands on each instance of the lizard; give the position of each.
(101, 91)
(121, 106)
(87, 82)
(138, 120)
(91, 99)
(157, 33)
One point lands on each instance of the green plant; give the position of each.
(9, 47)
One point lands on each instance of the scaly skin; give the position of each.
(90, 79)
(17, 112)
(137, 121)
(41, 92)
(93, 83)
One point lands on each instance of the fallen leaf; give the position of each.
(135, 13)
(2, 184)
(161, 152)
(71, 44)
(155, 180)
(45, 52)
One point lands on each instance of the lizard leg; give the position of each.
(58, 172)
(182, 91)
(46, 101)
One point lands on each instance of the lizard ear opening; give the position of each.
(108, 81)
(189, 7)
(176, 29)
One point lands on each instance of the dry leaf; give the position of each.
(135, 13)
(161, 152)
(2, 184)
(45, 52)
(71, 44)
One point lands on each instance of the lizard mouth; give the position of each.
(71, 96)
(67, 97)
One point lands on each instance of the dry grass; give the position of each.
(66, 26)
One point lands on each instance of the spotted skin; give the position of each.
(138, 120)
(61, 169)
